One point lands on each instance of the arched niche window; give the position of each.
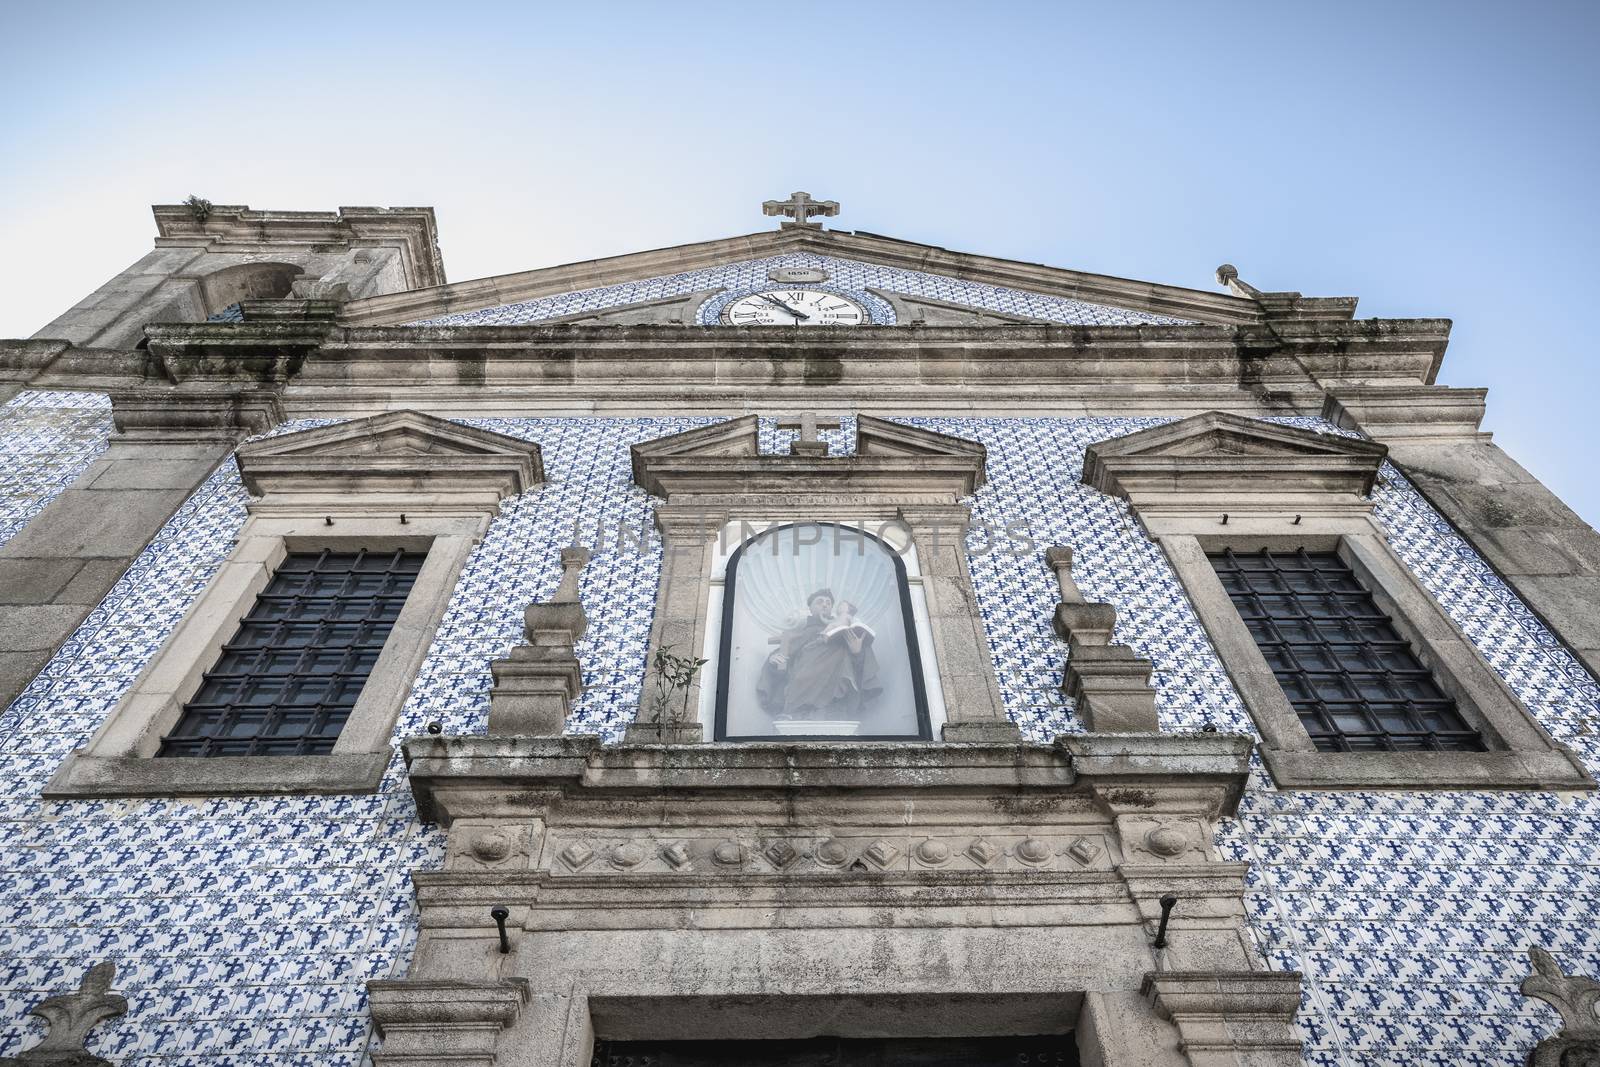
(818, 639)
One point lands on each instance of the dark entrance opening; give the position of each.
(1055, 1050)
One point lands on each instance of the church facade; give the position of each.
(804, 647)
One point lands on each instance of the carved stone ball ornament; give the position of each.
(491, 846)
(627, 855)
(1033, 851)
(832, 853)
(728, 854)
(1165, 841)
(933, 853)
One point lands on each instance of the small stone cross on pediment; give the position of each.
(800, 207)
(808, 443)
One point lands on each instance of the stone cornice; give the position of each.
(717, 463)
(235, 227)
(1224, 455)
(1430, 413)
(334, 371)
(481, 293)
(455, 776)
(414, 457)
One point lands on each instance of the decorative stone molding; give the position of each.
(535, 684)
(1228, 462)
(1408, 412)
(238, 228)
(899, 475)
(1108, 684)
(403, 480)
(714, 873)
(1218, 481)
(443, 1023)
(1079, 285)
(70, 1017)
(893, 463)
(1577, 998)
(1232, 1018)
(406, 460)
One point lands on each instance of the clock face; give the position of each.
(794, 307)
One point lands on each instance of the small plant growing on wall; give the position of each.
(674, 675)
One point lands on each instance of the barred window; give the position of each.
(286, 682)
(1352, 679)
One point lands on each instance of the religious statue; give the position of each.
(824, 668)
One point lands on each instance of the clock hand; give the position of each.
(798, 315)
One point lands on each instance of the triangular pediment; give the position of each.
(388, 452)
(724, 459)
(897, 283)
(1220, 452)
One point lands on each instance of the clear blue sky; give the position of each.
(1432, 159)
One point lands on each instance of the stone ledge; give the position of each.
(1554, 769)
(83, 777)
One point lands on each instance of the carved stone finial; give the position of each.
(534, 685)
(1577, 998)
(1109, 684)
(800, 207)
(560, 620)
(1228, 275)
(70, 1017)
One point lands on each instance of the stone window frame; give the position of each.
(715, 475)
(397, 481)
(1218, 481)
(741, 532)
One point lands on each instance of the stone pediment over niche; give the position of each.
(404, 452)
(1217, 452)
(724, 461)
(895, 282)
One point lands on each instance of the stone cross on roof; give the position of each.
(800, 207)
(808, 443)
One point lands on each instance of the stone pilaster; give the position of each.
(973, 707)
(1108, 683)
(687, 536)
(1548, 554)
(534, 686)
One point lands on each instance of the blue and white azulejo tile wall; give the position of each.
(47, 439)
(243, 929)
(848, 276)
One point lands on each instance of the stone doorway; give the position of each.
(1055, 1050)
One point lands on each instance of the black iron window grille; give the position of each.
(1352, 679)
(285, 684)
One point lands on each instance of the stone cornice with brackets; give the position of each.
(417, 460)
